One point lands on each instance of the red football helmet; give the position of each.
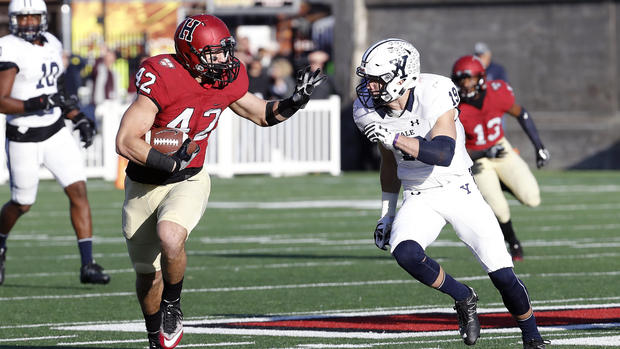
(467, 67)
(206, 48)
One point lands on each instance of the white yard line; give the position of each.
(27, 339)
(295, 286)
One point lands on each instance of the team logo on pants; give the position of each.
(466, 188)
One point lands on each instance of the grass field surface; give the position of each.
(290, 263)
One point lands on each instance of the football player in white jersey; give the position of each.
(35, 105)
(414, 119)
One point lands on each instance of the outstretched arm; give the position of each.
(526, 122)
(270, 113)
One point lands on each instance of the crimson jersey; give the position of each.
(483, 127)
(183, 104)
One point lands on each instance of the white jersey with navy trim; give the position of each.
(39, 68)
(433, 96)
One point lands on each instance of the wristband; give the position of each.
(395, 139)
(35, 103)
(388, 203)
(270, 115)
(287, 107)
(159, 161)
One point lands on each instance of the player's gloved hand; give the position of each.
(542, 157)
(69, 103)
(377, 133)
(184, 155)
(86, 127)
(44, 102)
(496, 151)
(476, 168)
(383, 231)
(306, 82)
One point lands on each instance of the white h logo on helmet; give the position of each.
(186, 33)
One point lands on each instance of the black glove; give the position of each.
(44, 102)
(306, 81)
(542, 157)
(496, 151)
(69, 103)
(183, 157)
(86, 127)
(476, 168)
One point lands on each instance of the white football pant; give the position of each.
(60, 154)
(424, 213)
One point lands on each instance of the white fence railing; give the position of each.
(308, 142)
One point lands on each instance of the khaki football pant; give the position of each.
(514, 173)
(145, 205)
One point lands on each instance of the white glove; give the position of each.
(542, 157)
(375, 132)
(382, 231)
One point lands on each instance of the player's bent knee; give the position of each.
(408, 252)
(411, 257)
(20, 208)
(532, 200)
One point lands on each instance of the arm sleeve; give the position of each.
(439, 151)
(528, 126)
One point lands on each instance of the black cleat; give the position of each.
(2, 259)
(516, 251)
(154, 340)
(469, 325)
(92, 273)
(536, 343)
(171, 329)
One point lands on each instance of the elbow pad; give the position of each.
(439, 151)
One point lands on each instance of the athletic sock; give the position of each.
(529, 330)
(3, 238)
(454, 289)
(172, 292)
(86, 250)
(509, 233)
(152, 322)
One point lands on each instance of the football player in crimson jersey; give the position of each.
(414, 119)
(165, 196)
(35, 103)
(497, 165)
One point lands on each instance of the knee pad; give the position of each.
(513, 291)
(411, 257)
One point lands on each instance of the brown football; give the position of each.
(167, 140)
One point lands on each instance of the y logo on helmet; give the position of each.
(186, 33)
(400, 64)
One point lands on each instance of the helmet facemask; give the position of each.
(218, 73)
(31, 32)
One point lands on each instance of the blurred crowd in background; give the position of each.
(272, 52)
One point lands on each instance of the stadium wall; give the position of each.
(562, 59)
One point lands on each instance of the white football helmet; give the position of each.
(393, 62)
(27, 7)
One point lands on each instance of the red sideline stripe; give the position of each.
(441, 321)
